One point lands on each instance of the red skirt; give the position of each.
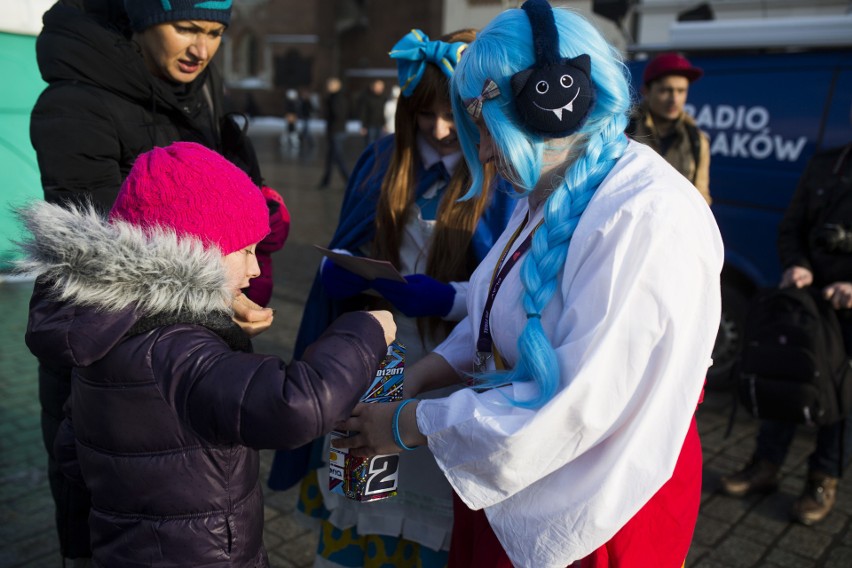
(658, 535)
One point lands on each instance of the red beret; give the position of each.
(670, 64)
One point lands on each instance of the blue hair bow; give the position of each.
(415, 50)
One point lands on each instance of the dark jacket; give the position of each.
(102, 107)
(168, 406)
(371, 110)
(816, 231)
(336, 112)
(688, 151)
(100, 110)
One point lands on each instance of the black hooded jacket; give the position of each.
(102, 107)
(816, 231)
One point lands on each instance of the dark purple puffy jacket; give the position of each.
(168, 423)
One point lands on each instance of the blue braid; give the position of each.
(500, 50)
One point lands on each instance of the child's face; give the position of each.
(240, 267)
(437, 125)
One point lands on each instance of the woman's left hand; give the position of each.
(371, 427)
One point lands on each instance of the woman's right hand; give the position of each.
(371, 429)
(385, 319)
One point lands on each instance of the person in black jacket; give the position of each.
(815, 249)
(372, 112)
(123, 77)
(169, 405)
(119, 85)
(335, 131)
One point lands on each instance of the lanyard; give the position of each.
(484, 344)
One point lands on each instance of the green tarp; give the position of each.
(19, 177)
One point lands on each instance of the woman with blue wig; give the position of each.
(591, 322)
(402, 205)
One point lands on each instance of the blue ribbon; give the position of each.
(415, 50)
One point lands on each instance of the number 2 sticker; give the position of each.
(382, 475)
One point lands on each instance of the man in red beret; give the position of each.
(660, 121)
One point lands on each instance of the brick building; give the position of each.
(275, 45)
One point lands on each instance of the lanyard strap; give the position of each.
(484, 344)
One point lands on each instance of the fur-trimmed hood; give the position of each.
(112, 265)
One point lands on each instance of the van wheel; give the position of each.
(729, 340)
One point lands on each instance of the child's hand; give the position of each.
(385, 319)
(252, 318)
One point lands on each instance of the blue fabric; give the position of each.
(420, 295)
(355, 229)
(545, 35)
(339, 283)
(146, 13)
(415, 50)
(436, 173)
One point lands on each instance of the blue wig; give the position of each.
(502, 49)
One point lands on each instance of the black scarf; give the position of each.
(219, 323)
(192, 101)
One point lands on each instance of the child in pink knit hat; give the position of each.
(169, 406)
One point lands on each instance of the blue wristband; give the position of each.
(395, 424)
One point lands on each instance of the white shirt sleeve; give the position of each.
(459, 309)
(458, 347)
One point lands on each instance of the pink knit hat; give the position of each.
(194, 191)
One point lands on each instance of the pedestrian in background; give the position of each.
(123, 78)
(336, 112)
(661, 122)
(402, 205)
(290, 137)
(590, 322)
(815, 249)
(169, 405)
(371, 112)
(305, 114)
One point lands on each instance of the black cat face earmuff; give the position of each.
(554, 96)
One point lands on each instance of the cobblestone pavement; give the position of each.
(731, 533)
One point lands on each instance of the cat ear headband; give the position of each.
(554, 96)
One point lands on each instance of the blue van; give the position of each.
(766, 115)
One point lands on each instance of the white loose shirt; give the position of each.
(633, 322)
